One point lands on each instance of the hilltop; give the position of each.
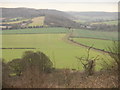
(52, 17)
(55, 18)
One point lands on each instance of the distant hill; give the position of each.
(55, 18)
(95, 16)
(52, 17)
(29, 12)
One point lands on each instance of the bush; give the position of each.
(16, 66)
(115, 52)
(30, 59)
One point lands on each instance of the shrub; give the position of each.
(30, 59)
(16, 66)
(115, 52)
(37, 59)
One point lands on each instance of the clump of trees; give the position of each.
(29, 70)
(30, 60)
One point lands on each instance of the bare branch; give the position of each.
(87, 59)
(96, 58)
(81, 61)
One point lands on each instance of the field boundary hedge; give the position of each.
(68, 36)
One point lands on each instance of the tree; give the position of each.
(33, 60)
(37, 59)
(88, 63)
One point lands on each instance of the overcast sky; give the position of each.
(64, 5)
(59, 0)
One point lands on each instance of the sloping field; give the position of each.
(95, 34)
(107, 22)
(36, 31)
(96, 43)
(15, 22)
(60, 52)
(76, 33)
(37, 21)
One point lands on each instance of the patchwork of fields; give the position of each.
(15, 22)
(50, 41)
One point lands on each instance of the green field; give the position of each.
(96, 43)
(76, 32)
(95, 34)
(37, 21)
(15, 22)
(54, 46)
(107, 22)
(35, 31)
(80, 21)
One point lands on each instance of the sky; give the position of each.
(59, 0)
(64, 5)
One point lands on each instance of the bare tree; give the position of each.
(88, 63)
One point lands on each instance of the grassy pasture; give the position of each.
(80, 21)
(95, 34)
(51, 42)
(97, 43)
(37, 21)
(36, 31)
(15, 22)
(61, 53)
(107, 22)
(76, 32)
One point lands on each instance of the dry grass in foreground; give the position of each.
(31, 78)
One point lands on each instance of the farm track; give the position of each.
(67, 39)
